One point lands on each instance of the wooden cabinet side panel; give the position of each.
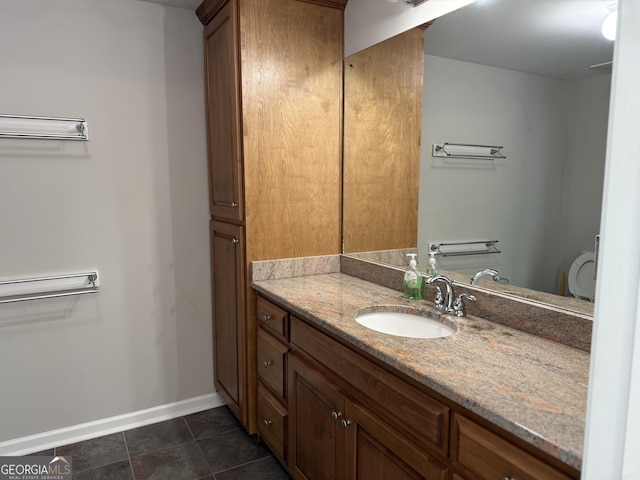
(291, 95)
(227, 266)
(223, 113)
(382, 128)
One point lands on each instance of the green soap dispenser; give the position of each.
(412, 280)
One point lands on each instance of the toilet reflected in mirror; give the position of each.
(582, 282)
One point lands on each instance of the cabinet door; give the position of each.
(228, 311)
(374, 451)
(316, 436)
(223, 114)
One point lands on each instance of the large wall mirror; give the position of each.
(531, 76)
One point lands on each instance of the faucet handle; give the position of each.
(439, 300)
(458, 306)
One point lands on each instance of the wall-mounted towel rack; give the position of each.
(43, 128)
(48, 287)
(451, 249)
(465, 150)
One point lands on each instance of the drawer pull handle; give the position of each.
(267, 363)
(508, 478)
(336, 415)
(266, 422)
(266, 317)
(345, 423)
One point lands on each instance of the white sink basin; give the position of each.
(404, 324)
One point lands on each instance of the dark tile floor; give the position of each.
(209, 445)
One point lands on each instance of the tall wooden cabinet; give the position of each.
(273, 72)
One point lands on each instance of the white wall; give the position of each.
(543, 202)
(516, 200)
(131, 202)
(587, 113)
(367, 22)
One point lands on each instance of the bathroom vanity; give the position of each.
(339, 400)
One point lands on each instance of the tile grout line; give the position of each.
(126, 446)
(204, 456)
(189, 428)
(245, 463)
(195, 440)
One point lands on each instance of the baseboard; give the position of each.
(106, 426)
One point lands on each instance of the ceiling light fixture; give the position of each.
(410, 2)
(610, 22)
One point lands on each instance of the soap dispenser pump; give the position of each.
(433, 264)
(412, 280)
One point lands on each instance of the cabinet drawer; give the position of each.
(413, 411)
(491, 457)
(272, 422)
(272, 317)
(272, 362)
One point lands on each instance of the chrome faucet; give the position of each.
(447, 302)
(487, 272)
(459, 306)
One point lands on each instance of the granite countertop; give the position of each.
(534, 388)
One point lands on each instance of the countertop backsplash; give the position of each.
(555, 324)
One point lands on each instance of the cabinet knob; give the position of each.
(266, 317)
(226, 204)
(336, 415)
(267, 363)
(266, 422)
(345, 423)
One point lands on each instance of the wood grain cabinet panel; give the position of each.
(223, 111)
(316, 437)
(227, 264)
(382, 128)
(272, 423)
(377, 452)
(423, 418)
(272, 318)
(272, 363)
(332, 437)
(273, 74)
(489, 457)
